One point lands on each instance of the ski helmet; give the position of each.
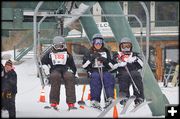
(97, 39)
(125, 45)
(59, 43)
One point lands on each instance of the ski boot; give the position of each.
(108, 102)
(138, 101)
(123, 101)
(95, 104)
(71, 106)
(54, 106)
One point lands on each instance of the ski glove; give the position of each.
(76, 75)
(89, 73)
(46, 69)
(121, 64)
(103, 59)
(94, 56)
(132, 59)
(7, 94)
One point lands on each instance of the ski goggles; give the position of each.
(98, 42)
(126, 45)
(59, 46)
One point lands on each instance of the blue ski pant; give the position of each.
(96, 85)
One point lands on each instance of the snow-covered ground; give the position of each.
(29, 89)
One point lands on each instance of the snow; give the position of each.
(29, 90)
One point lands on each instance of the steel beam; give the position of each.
(89, 23)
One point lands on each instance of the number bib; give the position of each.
(59, 58)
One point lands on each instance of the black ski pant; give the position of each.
(56, 79)
(8, 102)
(125, 82)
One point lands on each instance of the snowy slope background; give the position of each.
(29, 89)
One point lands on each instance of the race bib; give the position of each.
(97, 64)
(59, 58)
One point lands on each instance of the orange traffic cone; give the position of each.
(89, 95)
(115, 112)
(42, 96)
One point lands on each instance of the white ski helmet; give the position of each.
(125, 45)
(59, 43)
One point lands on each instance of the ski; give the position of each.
(106, 110)
(140, 105)
(49, 107)
(94, 108)
(55, 108)
(128, 103)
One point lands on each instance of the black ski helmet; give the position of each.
(123, 41)
(59, 43)
(97, 36)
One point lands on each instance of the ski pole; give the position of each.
(101, 77)
(132, 79)
(81, 102)
(167, 78)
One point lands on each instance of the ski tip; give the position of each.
(47, 107)
(74, 108)
(81, 102)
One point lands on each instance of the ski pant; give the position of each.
(125, 82)
(8, 103)
(69, 82)
(96, 85)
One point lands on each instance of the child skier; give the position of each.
(97, 62)
(127, 60)
(62, 66)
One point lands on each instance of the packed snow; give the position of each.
(29, 90)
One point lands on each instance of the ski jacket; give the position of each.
(2, 70)
(9, 82)
(92, 56)
(60, 60)
(133, 67)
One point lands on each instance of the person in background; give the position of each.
(2, 76)
(126, 60)
(2, 70)
(9, 88)
(99, 57)
(62, 67)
